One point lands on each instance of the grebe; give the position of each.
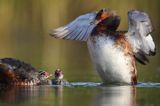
(16, 72)
(58, 78)
(113, 52)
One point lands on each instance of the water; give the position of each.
(82, 94)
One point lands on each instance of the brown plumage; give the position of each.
(16, 72)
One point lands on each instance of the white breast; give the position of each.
(110, 61)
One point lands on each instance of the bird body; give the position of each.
(112, 61)
(16, 72)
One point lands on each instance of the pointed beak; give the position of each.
(48, 76)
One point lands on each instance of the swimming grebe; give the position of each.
(113, 52)
(16, 72)
(58, 78)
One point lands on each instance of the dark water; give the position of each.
(82, 94)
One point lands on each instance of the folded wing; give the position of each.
(139, 35)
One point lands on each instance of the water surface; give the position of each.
(82, 94)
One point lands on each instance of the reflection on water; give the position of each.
(59, 95)
(20, 95)
(38, 95)
(82, 94)
(116, 96)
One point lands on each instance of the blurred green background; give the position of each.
(24, 26)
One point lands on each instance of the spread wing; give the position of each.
(139, 35)
(78, 29)
(82, 27)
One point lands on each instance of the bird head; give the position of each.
(44, 75)
(107, 19)
(58, 74)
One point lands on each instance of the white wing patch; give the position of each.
(79, 29)
(151, 45)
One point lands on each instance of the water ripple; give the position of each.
(94, 84)
(85, 84)
(148, 84)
